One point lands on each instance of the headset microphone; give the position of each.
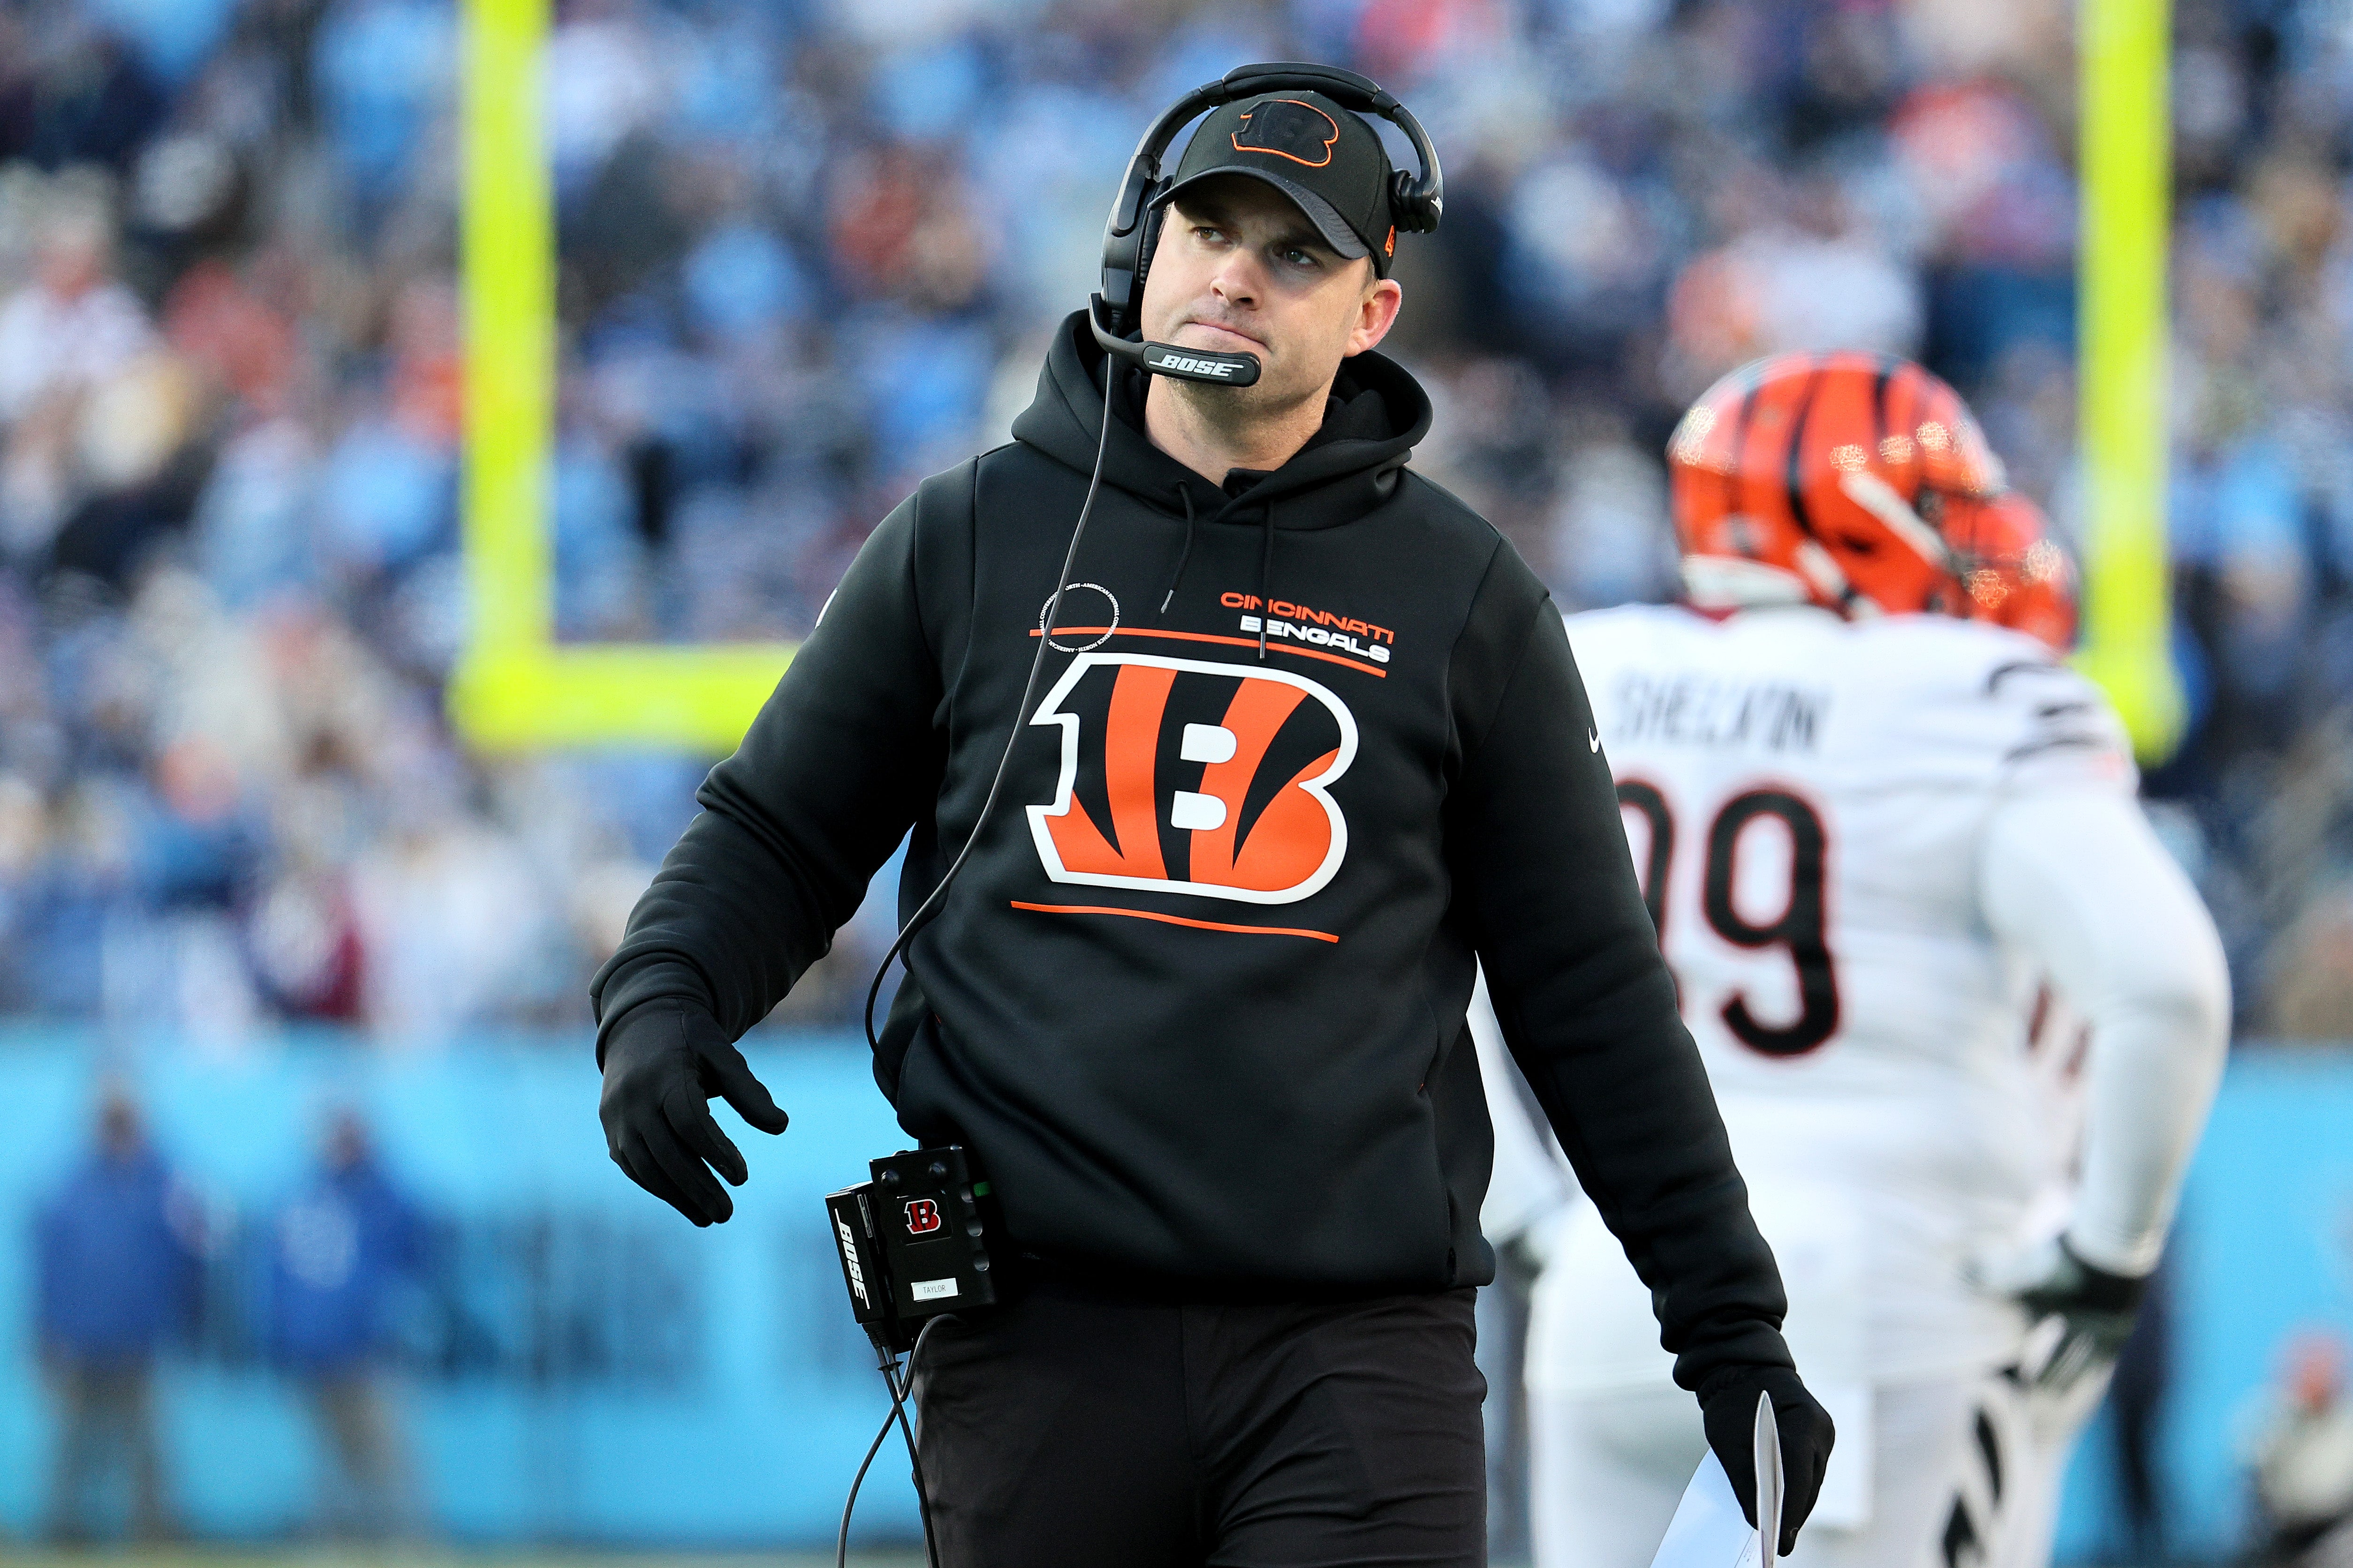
(1190, 364)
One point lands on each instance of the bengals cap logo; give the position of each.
(1287, 129)
(1180, 776)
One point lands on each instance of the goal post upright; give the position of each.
(516, 687)
(2125, 161)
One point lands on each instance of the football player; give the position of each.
(2031, 1411)
(1871, 820)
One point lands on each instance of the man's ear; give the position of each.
(1376, 314)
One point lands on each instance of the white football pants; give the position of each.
(1607, 1468)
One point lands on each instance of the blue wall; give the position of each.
(589, 1367)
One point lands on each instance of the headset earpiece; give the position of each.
(1147, 240)
(1416, 213)
(1124, 256)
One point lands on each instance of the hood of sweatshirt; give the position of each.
(1376, 413)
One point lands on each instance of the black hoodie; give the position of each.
(1196, 1002)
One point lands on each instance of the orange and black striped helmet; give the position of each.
(2015, 570)
(1827, 478)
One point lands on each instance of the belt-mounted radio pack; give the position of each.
(913, 1242)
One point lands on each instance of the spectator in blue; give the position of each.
(345, 1248)
(117, 1280)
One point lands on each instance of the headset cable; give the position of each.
(901, 1395)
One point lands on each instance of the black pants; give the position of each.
(1071, 1430)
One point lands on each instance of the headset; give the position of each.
(1416, 203)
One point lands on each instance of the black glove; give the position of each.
(663, 1061)
(2095, 1310)
(1727, 1403)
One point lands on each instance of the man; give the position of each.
(1310, 742)
(117, 1276)
(2297, 1441)
(2031, 1409)
(346, 1245)
(1870, 830)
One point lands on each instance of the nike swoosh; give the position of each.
(1593, 741)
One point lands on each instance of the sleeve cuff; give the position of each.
(652, 983)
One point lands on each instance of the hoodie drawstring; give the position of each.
(1265, 572)
(1265, 561)
(1185, 494)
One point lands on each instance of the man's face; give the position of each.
(1240, 270)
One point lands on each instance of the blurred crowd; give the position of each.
(810, 250)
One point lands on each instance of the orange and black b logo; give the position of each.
(1184, 776)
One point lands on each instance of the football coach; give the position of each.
(1303, 745)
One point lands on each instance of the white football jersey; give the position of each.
(1803, 798)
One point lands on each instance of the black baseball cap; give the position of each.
(1326, 159)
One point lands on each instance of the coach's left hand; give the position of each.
(663, 1062)
(1727, 1403)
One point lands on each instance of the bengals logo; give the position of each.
(1287, 129)
(1184, 777)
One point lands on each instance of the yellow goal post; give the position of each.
(517, 687)
(2125, 155)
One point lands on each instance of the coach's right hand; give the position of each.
(663, 1062)
(1727, 1403)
